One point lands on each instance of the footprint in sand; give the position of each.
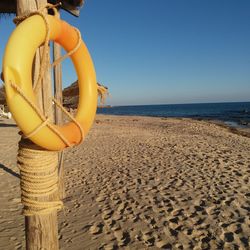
(227, 236)
(116, 227)
(101, 198)
(107, 214)
(163, 244)
(117, 217)
(96, 228)
(77, 205)
(110, 246)
(123, 238)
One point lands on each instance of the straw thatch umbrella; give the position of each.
(103, 92)
(72, 6)
(71, 95)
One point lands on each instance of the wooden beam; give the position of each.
(41, 230)
(58, 111)
(57, 83)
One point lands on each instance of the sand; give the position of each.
(142, 183)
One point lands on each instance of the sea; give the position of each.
(233, 114)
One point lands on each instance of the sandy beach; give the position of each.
(142, 183)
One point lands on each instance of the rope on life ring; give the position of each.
(19, 92)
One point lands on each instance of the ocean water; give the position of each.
(233, 113)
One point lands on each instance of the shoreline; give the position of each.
(236, 115)
(240, 130)
(243, 130)
(235, 130)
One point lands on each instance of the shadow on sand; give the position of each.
(10, 171)
(5, 125)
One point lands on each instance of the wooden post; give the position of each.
(58, 111)
(57, 82)
(41, 230)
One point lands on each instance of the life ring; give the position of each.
(17, 68)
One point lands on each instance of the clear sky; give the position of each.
(163, 51)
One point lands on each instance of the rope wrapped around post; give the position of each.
(39, 180)
(39, 167)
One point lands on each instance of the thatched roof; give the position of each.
(7, 6)
(72, 6)
(2, 96)
(71, 94)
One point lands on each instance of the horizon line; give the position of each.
(187, 103)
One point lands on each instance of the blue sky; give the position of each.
(155, 52)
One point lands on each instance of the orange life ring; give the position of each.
(17, 68)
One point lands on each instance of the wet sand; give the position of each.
(142, 183)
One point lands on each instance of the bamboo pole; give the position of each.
(41, 230)
(58, 111)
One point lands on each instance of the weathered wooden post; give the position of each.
(58, 111)
(41, 229)
(39, 167)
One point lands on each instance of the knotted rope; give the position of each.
(46, 120)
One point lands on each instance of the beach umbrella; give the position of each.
(103, 92)
(71, 94)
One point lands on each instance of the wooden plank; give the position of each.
(41, 230)
(57, 83)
